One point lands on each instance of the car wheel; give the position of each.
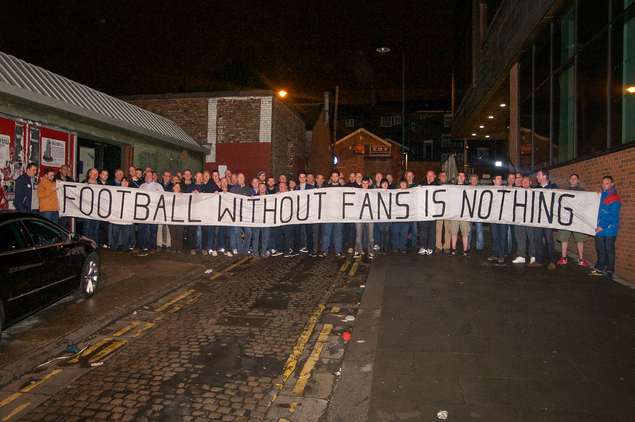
(89, 278)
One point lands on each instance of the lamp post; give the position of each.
(383, 49)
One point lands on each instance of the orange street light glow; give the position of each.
(282, 93)
(631, 89)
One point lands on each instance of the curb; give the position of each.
(27, 364)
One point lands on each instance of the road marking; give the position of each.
(126, 329)
(178, 307)
(344, 266)
(292, 361)
(235, 265)
(35, 384)
(148, 325)
(91, 349)
(335, 310)
(16, 411)
(9, 399)
(215, 276)
(305, 374)
(173, 301)
(111, 348)
(354, 269)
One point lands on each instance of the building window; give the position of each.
(386, 121)
(447, 120)
(350, 122)
(396, 121)
(446, 140)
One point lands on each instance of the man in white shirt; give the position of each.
(148, 232)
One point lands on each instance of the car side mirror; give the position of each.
(75, 237)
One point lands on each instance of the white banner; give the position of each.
(558, 209)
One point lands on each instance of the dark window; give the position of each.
(44, 234)
(542, 124)
(12, 239)
(525, 75)
(593, 16)
(542, 60)
(564, 37)
(525, 135)
(563, 94)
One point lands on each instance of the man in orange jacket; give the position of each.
(47, 192)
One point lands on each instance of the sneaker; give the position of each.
(376, 247)
(193, 251)
(447, 250)
(583, 262)
(429, 251)
(304, 250)
(493, 258)
(221, 250)
(312, 254)
(235, 251)
(321, 255)
(350, 250)
(275, 252)
(563, 261)
(370, 256)
(357, 255)
(404, 251)
(535, 264)
(519, 260)
(292, 254)
(340, 255)
(609, 275)
(267, 254)
(213, 253)
(453, 252)
(501, 260)
(551, 266)
(153, 251)
(204, 252)
(532, 259)
(437, 250)
(422, 251)
(228, 253)
(135, 250)
(596, 272)
(466, 253)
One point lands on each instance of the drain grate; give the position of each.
(241, 321)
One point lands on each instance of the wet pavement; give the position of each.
(459, 337)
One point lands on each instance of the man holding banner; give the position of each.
(539, 232)
(148, 232)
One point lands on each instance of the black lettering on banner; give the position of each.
(138, 205)
(253, 208)
(241, 210)
(160, 205)
(406, 206)
(470, 207)
(480, 204)
(533, 205)
(99, 203)
(282, 219)
(319, 194)
(308, 202)
(81, 200)
(273, 210)
(172, 218)
(226, 211)
(427, 203)
(366, 204)
(434, 199)
(189, 211)
(66, 196)
(522, 205)
(123, 200)
(504, 192)
(346, 204)
(381, 204)
(542, 204)
(568, 223)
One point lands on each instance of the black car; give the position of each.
(41, 262)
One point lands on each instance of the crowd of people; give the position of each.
(531, 245)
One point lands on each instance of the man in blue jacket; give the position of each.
(24, 189)
(606, 231)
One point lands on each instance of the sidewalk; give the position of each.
(488, 342)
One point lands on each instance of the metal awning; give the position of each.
(32, 83)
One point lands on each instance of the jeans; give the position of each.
(499, 232)
(299, 230)
(605, 248)
(412, 229)
(539, 233)
(91, 230)
(525, 234)
(148, 234)
(256, 233)
(336, 229)
(360, 228)
(235, 241)
(480, 240)
(54, 216)
(400, 235)
(427, 234)
(118, 231)
(221, 236)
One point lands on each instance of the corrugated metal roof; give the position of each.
(34, 83)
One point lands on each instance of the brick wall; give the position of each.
(619, 166)
(321, 155)
(287, 141)
(238, 120)
(189, 113)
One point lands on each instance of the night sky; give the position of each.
(304, 47)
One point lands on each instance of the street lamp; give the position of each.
(383, 49)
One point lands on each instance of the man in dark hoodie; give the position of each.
(539, 232)
(240, 188)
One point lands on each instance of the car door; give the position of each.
(20, 272)
(62, 260)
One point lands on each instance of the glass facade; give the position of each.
(577, 84)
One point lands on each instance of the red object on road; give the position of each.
(346, 336)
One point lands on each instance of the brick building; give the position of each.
(555, 81)
(245, 131)
(366, 153)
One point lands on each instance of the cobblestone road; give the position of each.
(219, 349)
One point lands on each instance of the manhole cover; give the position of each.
(240, 321)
